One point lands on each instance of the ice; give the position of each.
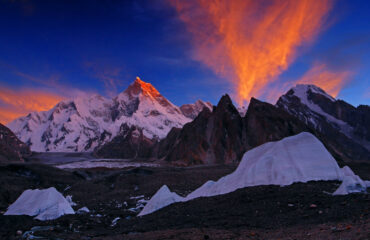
(299, 158)
(83, 210)
(69, 199)
(351, 183)
(47, 204)
(163, 197)
(114, 221)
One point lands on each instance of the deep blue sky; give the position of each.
(84, 45)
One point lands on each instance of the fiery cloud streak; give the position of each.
(251, 42)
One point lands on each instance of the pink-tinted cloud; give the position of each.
(17, 103)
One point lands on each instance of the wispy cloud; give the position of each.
(20, 102)
(112, 76)
(332, 81)
(46, 91)
(251, 42)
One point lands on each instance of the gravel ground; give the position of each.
(299, 211)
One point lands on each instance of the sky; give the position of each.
(189, 50)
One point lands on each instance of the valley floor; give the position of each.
(299, 211)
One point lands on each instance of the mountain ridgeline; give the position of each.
(87, 122)
(140, 123)
(222, 135)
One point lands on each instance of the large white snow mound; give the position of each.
(47, 204)
(163, 197)
(299, 158)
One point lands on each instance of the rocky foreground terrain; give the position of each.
(298, 211)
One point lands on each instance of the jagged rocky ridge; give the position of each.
(85, 123)
(223, 134)
(11, 148)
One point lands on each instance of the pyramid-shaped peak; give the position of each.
(141, 87)
(226, 105)
(225, 101)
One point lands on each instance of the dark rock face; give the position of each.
(129, 143)
(223, 136)
(213, 137)
(164, 147)
(358, 118)
(265, 123)
(343, 128)
(11, 148)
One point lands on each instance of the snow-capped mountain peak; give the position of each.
(321, 111)
(86, 122)
(140, 91)
(302, 91)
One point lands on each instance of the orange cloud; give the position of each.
(250, 41)
(14, 104)
(331, 81)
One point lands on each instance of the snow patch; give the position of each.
(301, 91)
(83, 210)
(115, 221)
(69, 200)
(351, 183)
(162, 198)
(47, 204)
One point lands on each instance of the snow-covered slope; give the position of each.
(192, 110)
(45, 204)
(316, 108)
(314, 111)
(84, 123)
(299, 158)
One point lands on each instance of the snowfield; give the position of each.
(47, 204)
(300, 158)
